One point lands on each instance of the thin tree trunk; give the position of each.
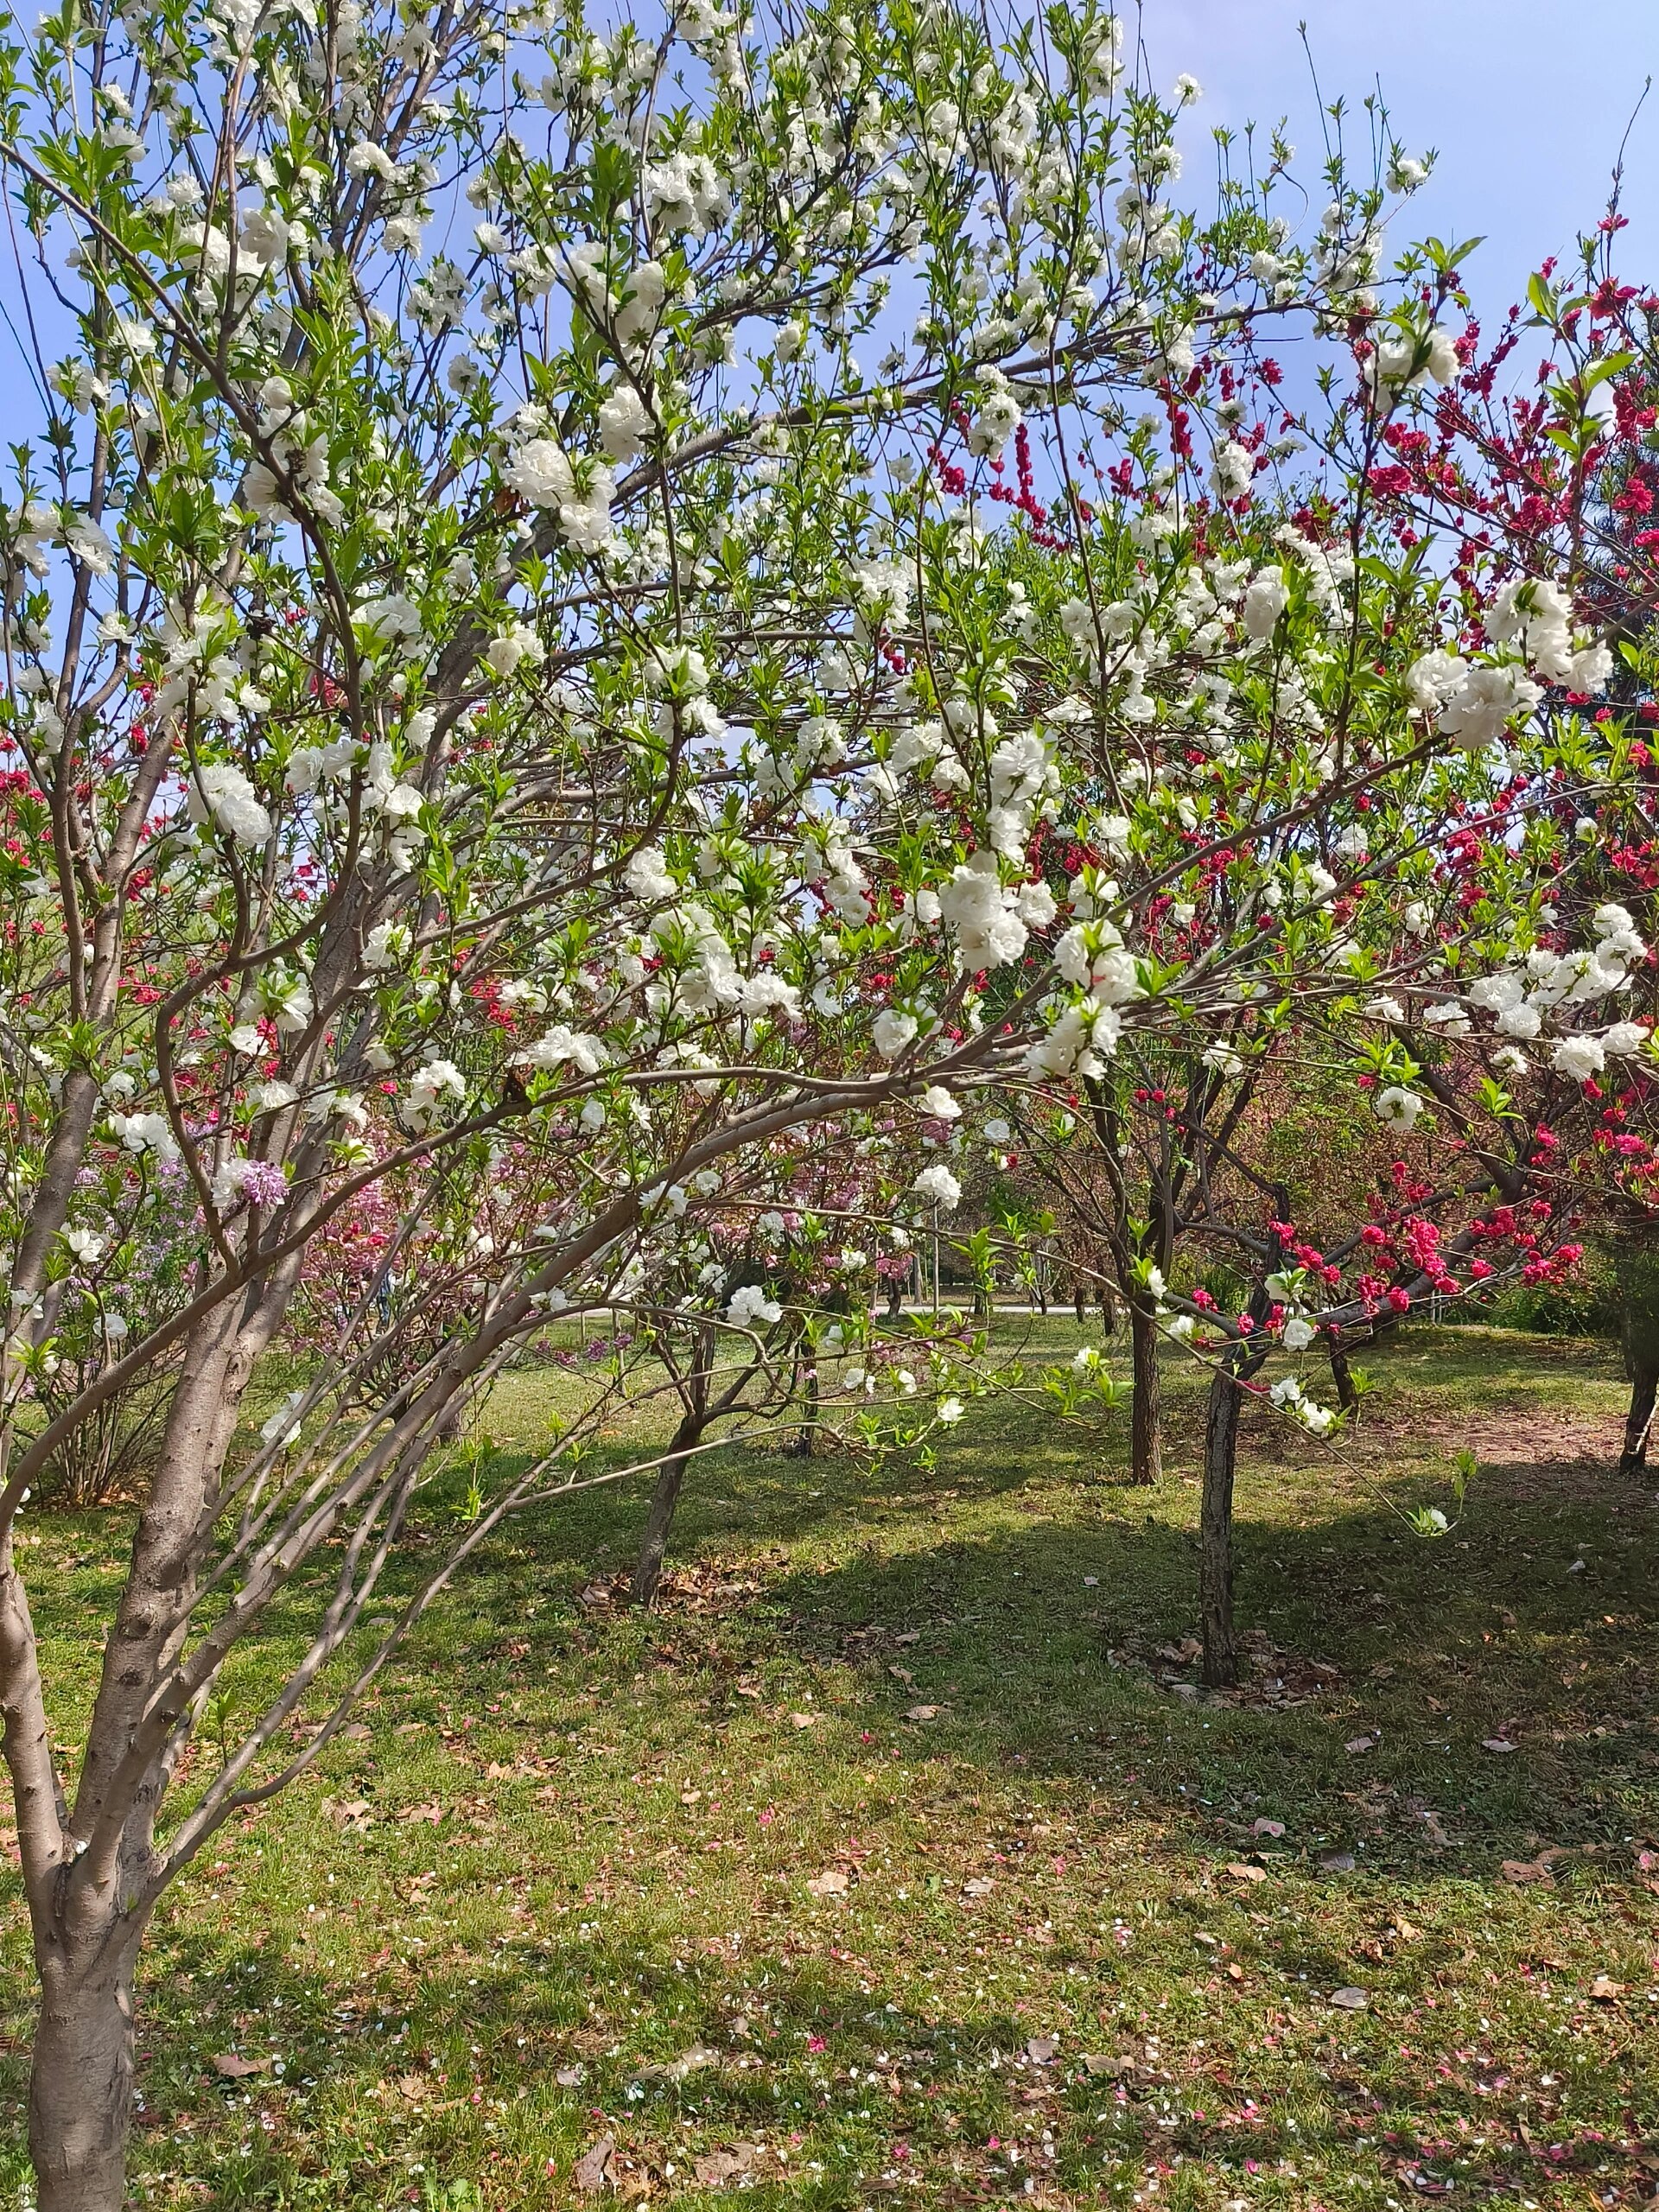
(806, 1435)
(1080, 1301)
(666, 1498)
(1216, 1521)
(80, 2086)
(659, 1521)
(1146, 1409)
(1644, 1385)
(1342, 1376)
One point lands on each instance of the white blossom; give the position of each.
(1397, 1107)
(938, 1185)
(749, 1306)
(1579, 1058)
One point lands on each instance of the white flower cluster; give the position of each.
(749, 1307)
(625, 423)
(1080, 1042)
(224, 797)
(1521, 999)
(937, 1186)
(1409, 359)
(1092, 954)
(1473, 704)
(151, 1133)
(1288, 1395)
(578, 494)
(1536, 616)
(631, 312)
(998, 418)
(429, 1086)
(992, 921)
(686, 193)
(563, 1047)
(647, 875)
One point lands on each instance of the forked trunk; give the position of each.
(1216, 1522)
(1645, 1383)
(81, 2085)
(1146, 1409)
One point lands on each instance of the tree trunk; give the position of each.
(660, 1520)
(1645, 1383)
(806, 1435)
(666, 1498)
(1080, 1301)
(1146, 1412)
(80, 2086)
(1216, 1522)
(1342, 1376)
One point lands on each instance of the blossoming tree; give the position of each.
(491, 670)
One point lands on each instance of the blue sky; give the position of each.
(1526, 100)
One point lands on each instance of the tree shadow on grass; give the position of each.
(1491, 1682)
(795, 2065)
(426, 2008)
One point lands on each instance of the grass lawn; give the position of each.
(898, 1860)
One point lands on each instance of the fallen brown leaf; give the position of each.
(1242, 1870)
(1121, 2061)
(832, 1883)
(698, 2060)
(713, 2167)
(1604, 1989)
(353, 1814)
(232, 2069)
(592, 2170)
(1524, 1871)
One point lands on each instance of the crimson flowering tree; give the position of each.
(1537, 461)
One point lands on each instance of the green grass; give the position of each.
(578, 1901)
